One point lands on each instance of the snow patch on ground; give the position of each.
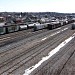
(43, 39)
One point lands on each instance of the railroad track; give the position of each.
(25, 40)
(17, 36)
(34, 42)
(61, 38)
(68, 68)
(60, 63)
(37, 43)
(13, 33)
(21, 69)
(6, 39)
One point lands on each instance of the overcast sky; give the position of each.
(63, 6)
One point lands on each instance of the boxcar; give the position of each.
(71, 21)
(2, 30)
(64, 23)
(53, 25)
(12, 28)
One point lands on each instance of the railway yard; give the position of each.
(43, 52)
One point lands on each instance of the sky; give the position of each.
(62, 6)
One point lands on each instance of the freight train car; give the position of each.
(38, 26)
(12, 28)
(64, 23)
(71, 21)
(30, 26)
(2, 30)
(54, 25)
(23, 27)
(73, 26)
